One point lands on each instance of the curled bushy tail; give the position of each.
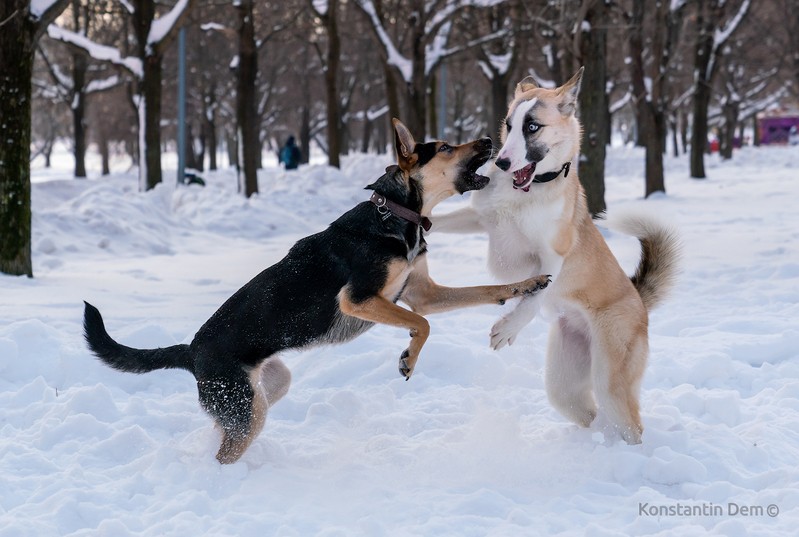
(660, 255)
(127, 358)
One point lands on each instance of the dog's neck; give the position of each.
(400, 196)
(551, 176)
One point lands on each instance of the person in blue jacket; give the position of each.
(290, 154)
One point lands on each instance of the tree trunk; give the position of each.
(702, 90)
(499, 103)
(593, 109)
(675, 150)
(151, 116)
(417, 89)
(16, 66)
(78, 105)
(655, 125)
(393, 101)
(331, 84)
(649, 114)
(104, 153)
(699, 130)
(730, 123)
(212, 144)
(684, 131)
(246, 100)
(755, 131)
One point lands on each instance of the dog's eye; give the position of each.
(444, 148)
(507, 125)
(533, 127)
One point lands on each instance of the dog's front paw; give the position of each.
(504, 332)
(406, 365)
(534, 285)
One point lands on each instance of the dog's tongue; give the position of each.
(522, 176)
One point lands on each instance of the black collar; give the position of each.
(549, 176)
(386, 207)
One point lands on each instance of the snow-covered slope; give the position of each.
(470, 446)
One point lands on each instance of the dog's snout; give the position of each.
(503, 164)
(484, 144)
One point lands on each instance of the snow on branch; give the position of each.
(163, 26)
(722, 35)
(128, 6)
(96, 86)
(40, 7)
(95, 50)
(393, 56)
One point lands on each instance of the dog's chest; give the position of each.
(521, 239)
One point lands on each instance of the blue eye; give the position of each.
(444, 148)
(533, 127)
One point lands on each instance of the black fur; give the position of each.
(292, 304)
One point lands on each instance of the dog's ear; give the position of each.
(526, 84)
(403, 139)
(569, 92)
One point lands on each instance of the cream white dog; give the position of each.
(535, 214)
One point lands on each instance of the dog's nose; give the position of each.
(503, 164)
(484, 143)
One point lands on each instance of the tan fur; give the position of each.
(598, 343)
(409, 280)
(270, 382)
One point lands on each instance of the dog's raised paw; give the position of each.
(404, 369)
(504, 332)
(537, 284)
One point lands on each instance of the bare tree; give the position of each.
(21, 26)
(649, 69)
(590, 38)
(712, 34)
(429, 27)
(152, 36)
(328, 12)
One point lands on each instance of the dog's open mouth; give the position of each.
(470, 179)
(523, 178)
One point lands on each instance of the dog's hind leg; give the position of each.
(238, 410)
(275, 379)
(568, 373)
(618, 362)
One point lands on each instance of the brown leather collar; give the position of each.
(386, 207)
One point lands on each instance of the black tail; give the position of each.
(126, 358)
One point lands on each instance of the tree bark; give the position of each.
(78, 106)
(16, 64)
(246, 100)
(331, 84)
(730, 109)
(593, 108)
(18, 37)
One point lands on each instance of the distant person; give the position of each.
(290, 154)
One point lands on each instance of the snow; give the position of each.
(162, 26)
(469, 446)
(40, 7)
(393, 56)
(97, 51)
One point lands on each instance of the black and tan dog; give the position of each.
(330, 287)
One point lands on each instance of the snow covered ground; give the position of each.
(468, 447)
